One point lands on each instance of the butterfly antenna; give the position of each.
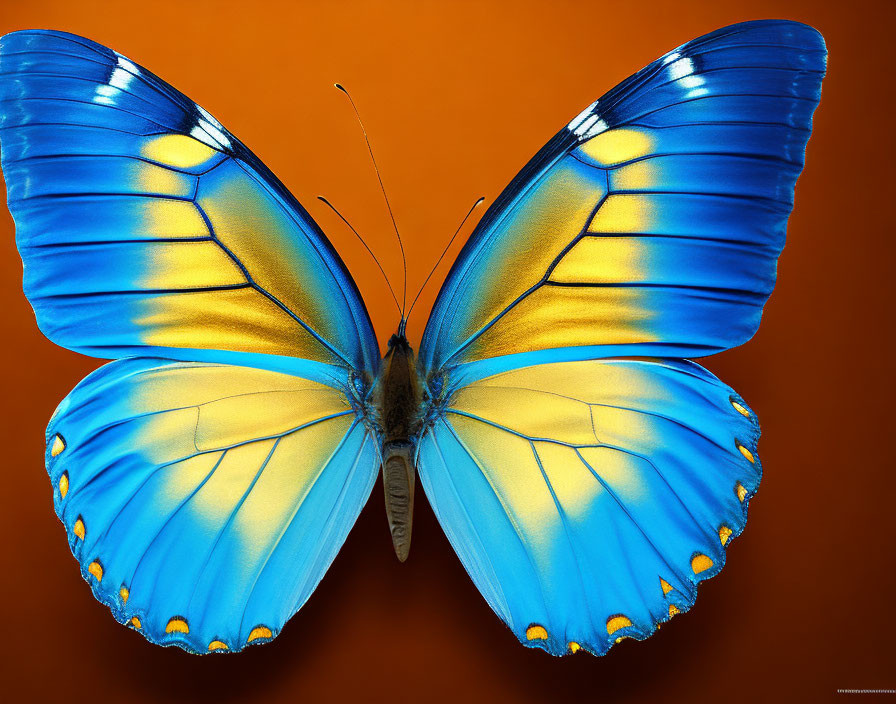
(386, 278)
(404, 261)
(444, 252)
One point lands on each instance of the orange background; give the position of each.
(457, 96)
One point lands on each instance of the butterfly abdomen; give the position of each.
(398, 399)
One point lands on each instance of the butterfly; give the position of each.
(588, 475)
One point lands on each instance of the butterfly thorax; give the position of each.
(398, 396)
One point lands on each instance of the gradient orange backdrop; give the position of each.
(457, 96)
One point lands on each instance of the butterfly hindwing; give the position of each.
(652, 223)
(204, 502)
(147, 228)
(587, 499)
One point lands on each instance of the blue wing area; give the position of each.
(146, 228)
(204, 502)
(588, 499)
(651, 224)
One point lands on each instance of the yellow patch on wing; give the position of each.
(614, 623)
(740, 409)
(568, 316)
(746, 453)
(574, 647)
(618, 145)
(604, 260)
(724, 534)
(637, 176)
(96, 569)
(529, 412)
(623, 213)
(536, 632)
(291, 466)
(741, 492)
(700, 563)
(79, 529)
(177, 150)
(224, 489)
(254, 225)
(217, 645)
(135, 622)
(673, 609)
(605, 381)
(58, 446)
(157, 180)
(621, 471)
(549, 401)
(178, 624)
(124, 593)
(187, 385)
(235, 419)
(259, 633)
(227, 408)
(239, 319)
(188, 265)
(509, 466)
(555, 212)
(288, 476)
(165, 218)
(666, 586)
(575, 486)
(63, 484)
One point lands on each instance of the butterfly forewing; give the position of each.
(652, 223)
(144, 225)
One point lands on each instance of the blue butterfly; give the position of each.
(587, 475)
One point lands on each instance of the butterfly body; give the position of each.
(399, 396)
(587, 473)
